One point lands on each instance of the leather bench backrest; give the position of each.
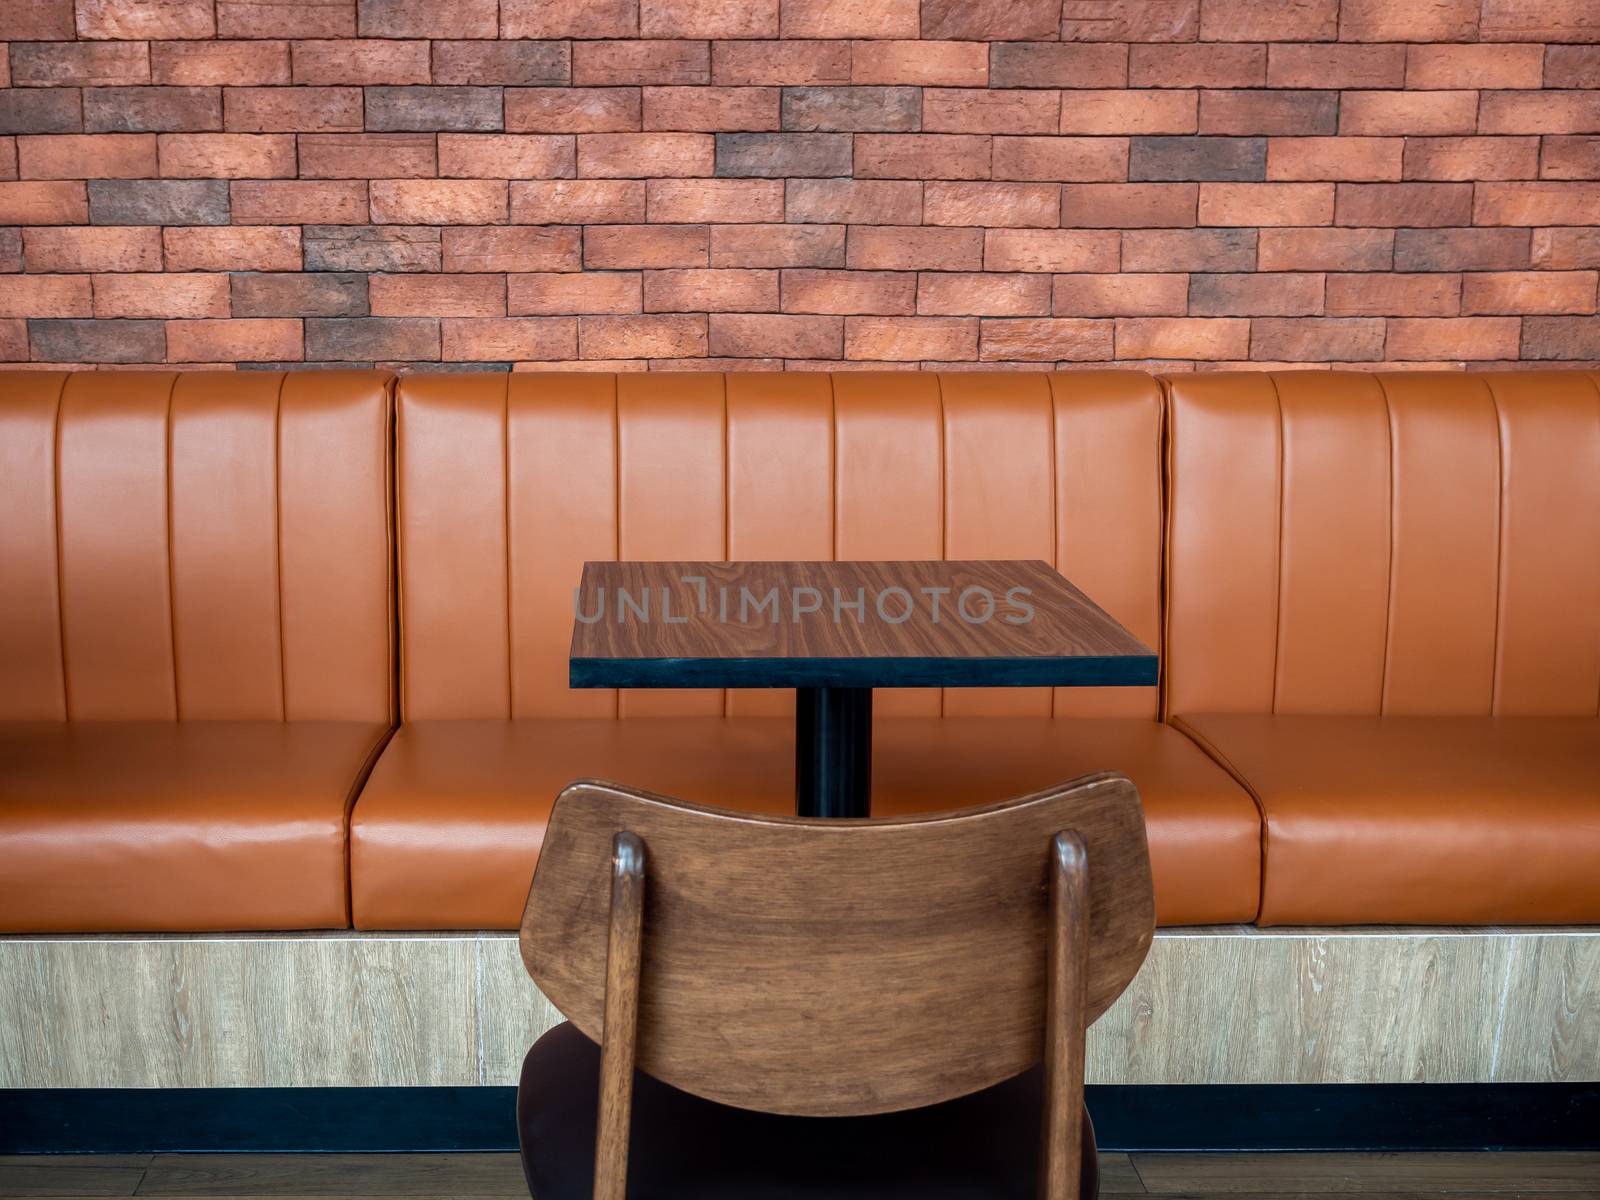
(507, 485)
(205, 545)
(1384, 543)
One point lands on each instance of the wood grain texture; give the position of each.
(833, 968)
(1066, 1001)
(621, 1028)
(776, 624)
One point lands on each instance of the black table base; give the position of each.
(833, 752)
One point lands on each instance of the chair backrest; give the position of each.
(836, 967)
(1384, 543)
(508, 483)
(203, 545)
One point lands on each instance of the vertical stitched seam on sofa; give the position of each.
(616, 501)
(61, 592)
(397, 617)
(172, 590)
(1393, 547)
(1283, 504)
(944, 489)
(1594, 382)
(833, 470)
(505, 558)
(727, 514)
(277, 541)
(1055, 502)
(1501, 479)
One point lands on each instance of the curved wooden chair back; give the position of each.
(817, 967)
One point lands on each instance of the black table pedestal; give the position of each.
(833, 752)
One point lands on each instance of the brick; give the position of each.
(780, 155)
(1122, 295)
(369, 248)
(78, 155)
(777, 336)
(1269, 20)
(643, 337)
(561, 293)
(1033, 205)
(1501, 66)
(1383, 21)
(427, 19)
(640, 61)
(1461, 249)
(317, 294)
(365, 339)
(1472, 158)
(852, 109)
(1047, 339)
(1182, 337)
(43, 203)
(854, 201)
(909, 339)
(11, 250)
(914, 248)
(699, 289)
(1539, 21)
(692, 201)
(1332, 65)
(1551, 292)
(512, 248)
(1563, 249)
(8, 158)
(1266, 204)
(361, 61)
(1324, 158)
(39, 110)
(923, 64)
(1570, 158)
(413, 295)
(1326, 250)
(991, 20)
(851, 19)
(984, 110)
(1188, 250)
(151, 109)
(368, 155)
(1561, 338)
(578, 202)
(212, 64)
(710, 108)
(131, 20)
(777, 245)
(517, 63)
(439, 202)
(796, 63)
(158, 202)
(36, 20)
(291, 110)
(235, 340)
(226, 156)
(1129, 112)
(1253, 111)
(1058, 65)
(885, 293)
(1431, 338)
(224, 248)
(646, 246)
(1050, 250)
(299, 202)
(574, 110)
(507, 155)
(1412, 205)
(708, 18)
(1202, 64)
(1131, 205)
(80, 64)
(1068, 159)
(90, 341)
(1130, 20)
(1540, 112)
(917, 156)
(1535, 204)
(1572, 66)
(1185, 158)
(956, 294)
(1265, 294)
(1317, 339)
(47, 296)
(453, 109)
(563, 19)
(632, 155)
(1378, 294)
(1432, 114)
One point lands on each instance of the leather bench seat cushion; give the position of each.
(1421, 820)
(156, 826)
(446, 832)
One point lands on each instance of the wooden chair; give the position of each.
(904, 977)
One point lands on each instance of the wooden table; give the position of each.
(833, 631)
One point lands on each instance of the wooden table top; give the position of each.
(846, 624)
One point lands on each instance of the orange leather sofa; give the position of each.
(1377, 599)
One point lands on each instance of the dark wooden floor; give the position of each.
(462, 1176)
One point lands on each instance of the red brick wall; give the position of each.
(669, 183)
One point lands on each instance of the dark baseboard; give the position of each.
(1217, 1117)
